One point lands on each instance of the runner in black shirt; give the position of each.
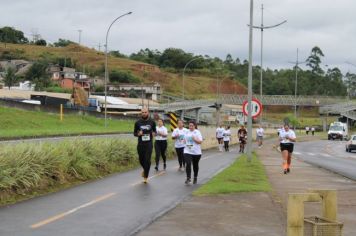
(145, 129)
(242, 135)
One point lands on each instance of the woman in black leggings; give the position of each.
(192, 151)
(178, 135)
(161, 144)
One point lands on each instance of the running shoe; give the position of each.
(188, 181)
(288, 170)
(195, 180)
(285, 171)
(156, 168)
(145, 180)
(164, 166)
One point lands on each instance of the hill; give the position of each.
(92, 61)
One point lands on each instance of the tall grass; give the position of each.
(26, 169)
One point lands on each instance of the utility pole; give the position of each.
(297, 63)
(262, 28)
(249, 94)
(80, 36)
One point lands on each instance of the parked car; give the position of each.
(351, 144)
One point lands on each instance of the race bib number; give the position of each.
(146, 137)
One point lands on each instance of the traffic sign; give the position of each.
(256, 107)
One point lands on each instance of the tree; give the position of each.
(11, 35)
(37, 74)
(122, 77)
(63, 43)
(10, 77)
(314, 60)
(175, 58)
(41, 42)
(117, 54)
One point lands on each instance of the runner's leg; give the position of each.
(158, 153)
(163, 152)
(188, 165)
(195, 160)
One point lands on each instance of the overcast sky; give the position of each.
(203, 27)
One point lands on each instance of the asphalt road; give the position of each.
(330, 155)
(117, 205)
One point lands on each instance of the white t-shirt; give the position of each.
(283, 134)
(192, 147)
(260, 132)
(180, 141)
(227, 135)
(220, 132)
(161, 131)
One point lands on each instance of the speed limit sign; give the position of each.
(256, 106)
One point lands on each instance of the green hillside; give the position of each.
(196, 86)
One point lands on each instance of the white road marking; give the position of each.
(310, 154)
(297, 153)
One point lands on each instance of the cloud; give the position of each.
(199, 26)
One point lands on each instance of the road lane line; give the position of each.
(310, 154)
(64, 214)
(297, 153)
(153, 176)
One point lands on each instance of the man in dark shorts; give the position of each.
(145, 129)
(242, 135)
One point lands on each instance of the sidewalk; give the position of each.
(247, 214)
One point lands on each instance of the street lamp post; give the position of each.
(262, 28)
(183, 81)
(106, 63)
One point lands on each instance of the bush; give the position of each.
(26, 169)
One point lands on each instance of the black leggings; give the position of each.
(226, 144)
(160, 149)
(144, 153)
(180, 155)
(189, 159)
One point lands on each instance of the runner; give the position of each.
(144, 129)
(227, 137)
(259, 135)
(161, 144)
(287, 138)
(178, 135)
(220, 137)
(192, 151)
(242, 134)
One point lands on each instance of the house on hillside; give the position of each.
(68, 78)
(152, 91)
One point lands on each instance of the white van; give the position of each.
(338, 130)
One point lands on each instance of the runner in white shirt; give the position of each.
(259, 135)
(178, 135)
(220, 136)
(227, 138)
(192, 151)
(287, 138)
(161, 144)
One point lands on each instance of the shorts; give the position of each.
(287, 146)
(242, 140)
(219, 139)
(259, 138)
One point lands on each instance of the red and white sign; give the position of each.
(256, 106)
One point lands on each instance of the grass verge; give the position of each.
(29, 170)
(16, 123)
(241, 176)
